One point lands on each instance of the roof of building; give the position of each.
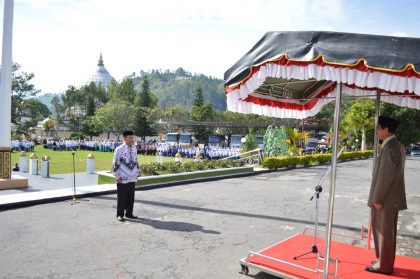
(101, 76)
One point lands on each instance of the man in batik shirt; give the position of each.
(126, 171)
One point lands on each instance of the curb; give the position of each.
(15, 205)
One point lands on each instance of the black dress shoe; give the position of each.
(131, 216)
(374, 270)
(120, 218)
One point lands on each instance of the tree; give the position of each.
(295, 137)
(201, 112)
(125, 91)
(359, 119)
(116, 116)
(145, 97)
(79, 104)
(177, 113)
(250, 142)
(96, 91)
(34, 109)
(71, 97)
(22, 88)
(198, 97)
(31, 111)
(408, 131)
(144, 101)
(143, 125)
(58, 110)
(326, 115)
(90, 107)
(90, 126)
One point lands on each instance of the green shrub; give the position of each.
(188, 166)
(154, 168)
(274, 163)
(149, 169)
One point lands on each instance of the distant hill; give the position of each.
(178, 87)
(172, 88)
(46, 100)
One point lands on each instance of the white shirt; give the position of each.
(125, 163)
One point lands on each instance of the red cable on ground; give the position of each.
(98, 245)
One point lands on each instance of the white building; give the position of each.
(101, 76)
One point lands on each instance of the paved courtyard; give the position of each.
(190, 231)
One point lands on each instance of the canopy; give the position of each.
(293, 74)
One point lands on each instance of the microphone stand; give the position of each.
(318, 189)
(74, 201)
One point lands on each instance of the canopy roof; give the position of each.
(293, 74)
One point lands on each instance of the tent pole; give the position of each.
(377, 114)
(332, 179)
(375, 154)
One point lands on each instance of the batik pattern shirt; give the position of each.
(125, 163)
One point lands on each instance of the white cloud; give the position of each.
(399, 34)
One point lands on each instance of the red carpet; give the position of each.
(352, 260)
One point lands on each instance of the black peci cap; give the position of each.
(128, 133)
(388, 122)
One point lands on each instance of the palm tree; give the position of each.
(359, 119)
(58, 109)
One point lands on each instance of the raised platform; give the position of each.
(15, 182)
(278, 260)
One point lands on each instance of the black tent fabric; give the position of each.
(294, 74)
(395, 54)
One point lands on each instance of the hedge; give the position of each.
(187, 166)
(316, 159)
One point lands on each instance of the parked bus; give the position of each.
(235, 140)
(217, 140)
(172, 138)
(185, 139)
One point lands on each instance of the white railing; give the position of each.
(251, 158)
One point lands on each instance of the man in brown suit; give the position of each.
(387, 196)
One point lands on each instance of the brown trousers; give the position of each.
(384, 230)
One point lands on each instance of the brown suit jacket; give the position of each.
(388, 186)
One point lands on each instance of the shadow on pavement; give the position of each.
(242, 214)
(172, 226)
(28, 190)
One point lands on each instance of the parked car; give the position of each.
(415, 151)
(311, 147)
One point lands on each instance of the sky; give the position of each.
(60, 40)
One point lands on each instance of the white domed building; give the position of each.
(101, 76)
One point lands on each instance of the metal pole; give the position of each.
(6, 76)
(375, 154)
(74, 177)
(6, 93)
(375, 139)
(333, 178)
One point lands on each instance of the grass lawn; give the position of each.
(61, 161)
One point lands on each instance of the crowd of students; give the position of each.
(149, 148)
(23, 145)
